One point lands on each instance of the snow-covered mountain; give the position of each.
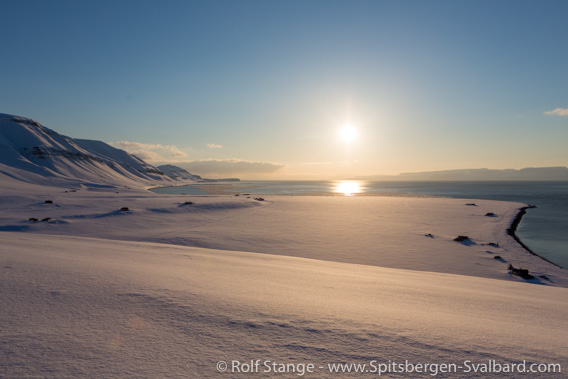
(32, 153)
(179, 173)
(176, 172)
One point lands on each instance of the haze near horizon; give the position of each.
(297, 90)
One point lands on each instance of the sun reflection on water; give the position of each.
(348, 187)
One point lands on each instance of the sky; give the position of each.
(262, 89)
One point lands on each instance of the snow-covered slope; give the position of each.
(88, 307)
(32, 153)
(176, 172)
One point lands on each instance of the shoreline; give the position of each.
(224, 189)
(512, 232)
(383, 231)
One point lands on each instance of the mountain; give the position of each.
(482, 174)
(179, 173)
(32, 153)
(176, 172)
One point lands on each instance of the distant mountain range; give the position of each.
(482, 174)
(32, 153)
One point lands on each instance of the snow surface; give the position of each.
(169, 289)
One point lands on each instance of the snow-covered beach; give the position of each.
(176, 284)
(400, 232)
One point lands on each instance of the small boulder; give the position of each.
(33, 219)
(461, 238)
(49, 201)
(47, 219)
(520, 272)
(124, 209)
(490, 214)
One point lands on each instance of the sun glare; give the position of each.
(348, 187)
(348, 133)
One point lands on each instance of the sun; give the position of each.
(348, 133)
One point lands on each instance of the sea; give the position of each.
(543, 229)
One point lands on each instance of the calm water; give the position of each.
(544, 229)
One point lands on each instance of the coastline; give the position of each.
(502, 191)
(228, 189)
(383, 230)
(231, 189)
(512, 232)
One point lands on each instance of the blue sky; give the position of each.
(259, 89)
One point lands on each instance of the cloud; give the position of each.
(229, 167)
(214, 146)
(150, 152)
(148, 156)
(213, 168)
(557, 112)
(175, 152)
